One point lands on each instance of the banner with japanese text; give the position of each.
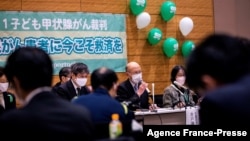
(96, 39)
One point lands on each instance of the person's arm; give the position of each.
(62, 93)
(172, 98)
(190, 101)
(167, 99)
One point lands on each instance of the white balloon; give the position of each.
(142, 20)
(186, 25)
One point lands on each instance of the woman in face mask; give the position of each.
(7, 99)
(177, 94)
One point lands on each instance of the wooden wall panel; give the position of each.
(104, 6)
(51, 5)
(194, 7)
(155, 65)
(203, 26)
(153, 6)
(10, 4)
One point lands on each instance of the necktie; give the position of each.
(78, 91)
(136, 87)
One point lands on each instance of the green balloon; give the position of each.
(170, 47)
(187, 48)
(168, 10)
(154, 36)
(137, 6)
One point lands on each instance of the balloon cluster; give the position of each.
(171, 46)
(167, 12)
(137, 8)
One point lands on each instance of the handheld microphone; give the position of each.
(178, 84)
(127, 103)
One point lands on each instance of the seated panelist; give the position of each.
(176, 94)
(76, 86)
(134, 91)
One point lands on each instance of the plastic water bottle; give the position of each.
(115, 126)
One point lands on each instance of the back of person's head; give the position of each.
(64, 72)
(224, 58)
(31, 66)
(79, 67)
(103, 77)
(175, 71)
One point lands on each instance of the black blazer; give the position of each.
(125, 92)
(48, 117)
(9, 101)
(67, 90)
(227, 106)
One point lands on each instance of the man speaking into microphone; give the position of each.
(134, 91)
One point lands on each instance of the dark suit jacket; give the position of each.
(125, 92)
(55, 87)
(227, 106)
(9, 101)
(67, 90)
(48, 117)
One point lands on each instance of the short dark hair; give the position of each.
(223, 57)
(103, 77)
(175, 70)
(79, 67)
(64, 71)
(31, 66)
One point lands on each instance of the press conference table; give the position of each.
(163, 116)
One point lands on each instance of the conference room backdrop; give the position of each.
(156, 66)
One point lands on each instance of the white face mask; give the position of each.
(181, 80)
(81, 81)
(136, 78)
(4, 86)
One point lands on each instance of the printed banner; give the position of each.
(192, 115)
(96, 39)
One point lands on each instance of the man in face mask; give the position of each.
(7, 99)
(133, 91)
(76, 86)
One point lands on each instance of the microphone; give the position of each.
(127, 103)
(178, 84)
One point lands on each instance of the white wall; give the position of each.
(232, 17)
